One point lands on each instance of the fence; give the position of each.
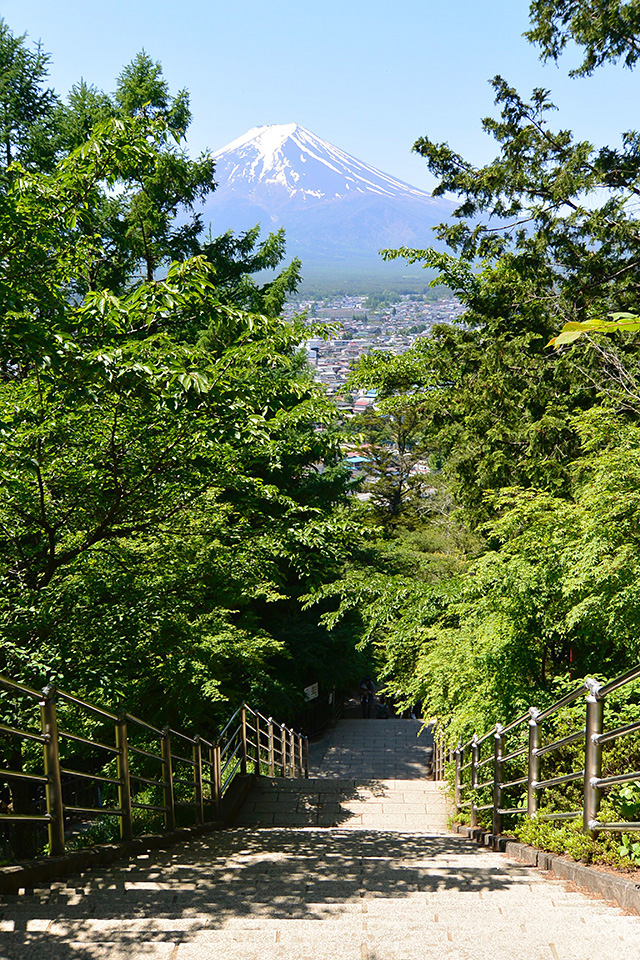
(439, 758)
(125, 764)
(516, 754)
(316, 715)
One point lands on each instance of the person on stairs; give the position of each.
(367, 696)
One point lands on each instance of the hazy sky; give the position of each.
(368, 76)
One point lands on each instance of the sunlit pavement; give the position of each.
(349, 864)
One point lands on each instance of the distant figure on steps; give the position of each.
(367, 696)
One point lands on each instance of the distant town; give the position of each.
(375, 322)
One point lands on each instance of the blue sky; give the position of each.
(368, 76)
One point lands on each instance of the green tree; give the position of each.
(394, 438)
(539, 448)
(119, 417)
(607, 30)
(26, 103)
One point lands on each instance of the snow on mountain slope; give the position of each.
(288, 159)
(334, 208)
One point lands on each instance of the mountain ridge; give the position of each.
(334, 207)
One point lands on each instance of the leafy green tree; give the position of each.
(151, 219)
(394, 439)
(119, 418)
(607, 30)
(26, 103)
(176, 182)
(539, 448)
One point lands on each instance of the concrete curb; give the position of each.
(39, 872)
(626, 893)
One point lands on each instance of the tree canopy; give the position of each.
(170, 483)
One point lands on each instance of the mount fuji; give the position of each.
(336, 210)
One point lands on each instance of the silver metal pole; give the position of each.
(217, 778)
(475, 758)
(257, 770)
(53, 789)
(169, 797)
(459, 754)
(272, 766)
(197, 780)
(592, 757)
(283, 741)
(533, 766)
(498, 753)
(243, 726)
(124, 787)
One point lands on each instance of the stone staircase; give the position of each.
(408, 805)
(339, 867)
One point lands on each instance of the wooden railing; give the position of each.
(68, 761)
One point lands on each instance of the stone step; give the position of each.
(415, 805)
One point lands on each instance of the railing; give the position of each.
(319, 713)
(439, 758)
(124, 764)
(507, 761)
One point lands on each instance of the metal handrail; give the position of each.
(214, 764)
(89, 707)
(90, 776)
(20, 688)
(143, 723)
(144, 753)
(88, 743)
(563, 742)
(229, 722)
(557, 781)
(514, 754)
(516, 723)
(592, 737)
(618, 682)
(564, 702)
(618, 732)
(23, 734)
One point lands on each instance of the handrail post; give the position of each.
(243, 725)
(257, 770)
(292, 755)
(124, 776)
(283, 740)
(197, 780)
(592, 757)
(300, 761)
(498, 753)
(272, 769)
(533, 766)
(306, 758)
(457, 786)
(53, 789)
(169, 797)
(475, 758)
(217, 778)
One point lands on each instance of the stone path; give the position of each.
(384, 888)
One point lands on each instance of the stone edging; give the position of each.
(36, 873)
(626, 893)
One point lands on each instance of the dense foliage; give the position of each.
(170, 480)
(519, 573)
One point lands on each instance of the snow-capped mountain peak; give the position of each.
(288, 160)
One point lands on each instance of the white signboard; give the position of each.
(311, 693)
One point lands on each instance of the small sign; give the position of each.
(330, 698)
(311, 693)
